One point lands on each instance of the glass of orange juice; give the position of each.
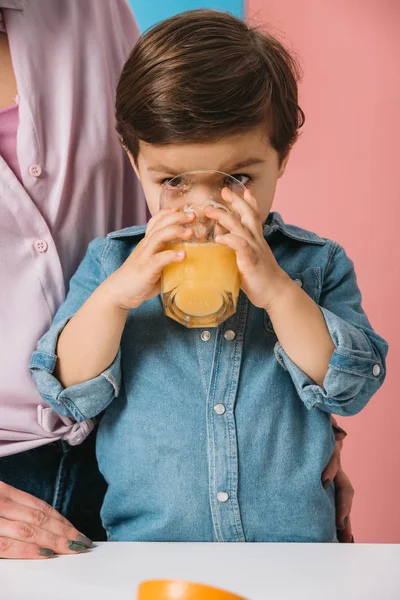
(203, 289)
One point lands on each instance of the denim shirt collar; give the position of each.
(273, 224)
(276, 223)
(135, 231)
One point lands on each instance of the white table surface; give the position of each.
(257, 571)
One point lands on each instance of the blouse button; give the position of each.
(40, 246)
(35, 170)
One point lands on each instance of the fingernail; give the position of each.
(344, 524)
(352, 539)
(82, 539)
(339, 430)
(46, 552)
(326, 483)
(76, 546)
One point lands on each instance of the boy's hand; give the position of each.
(138, 279)
(90, 341)
(262, 279)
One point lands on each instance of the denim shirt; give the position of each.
(217, 435)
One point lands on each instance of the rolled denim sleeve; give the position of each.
(85, 400)
(357, 368)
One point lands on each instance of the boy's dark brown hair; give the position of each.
(203, 75)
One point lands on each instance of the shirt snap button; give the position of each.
(376, 370)
(229, 335)
(35, 170)
(222, 497)
(219, 409)
(40, 246)
(205, 336)
(299, 282)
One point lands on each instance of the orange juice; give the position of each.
(182, 590)
(202, 290)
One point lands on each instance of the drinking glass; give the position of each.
(203, 289)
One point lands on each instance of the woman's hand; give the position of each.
(344, 491)
(30, 528)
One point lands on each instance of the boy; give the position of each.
(211, 435)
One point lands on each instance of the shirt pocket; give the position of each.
(310, 281)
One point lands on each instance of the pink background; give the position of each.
(343, 181)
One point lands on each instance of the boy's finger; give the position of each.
(249, 217)
(242, 205)
(240, 245)
(170, 218)
(247, 198)
(251, 200)
(156, 264)
(163, 259)
(159, 215)
(228, 222)
(160, 237)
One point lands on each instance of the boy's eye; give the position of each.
(242, 177)
(172, 182)
(177, 182)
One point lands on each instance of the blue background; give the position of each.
(149, 12)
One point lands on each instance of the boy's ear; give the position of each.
(282, 166)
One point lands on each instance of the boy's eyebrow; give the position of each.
(249, 162)
(163, 169)
(240, 165)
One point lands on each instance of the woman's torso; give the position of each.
(76, 182)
